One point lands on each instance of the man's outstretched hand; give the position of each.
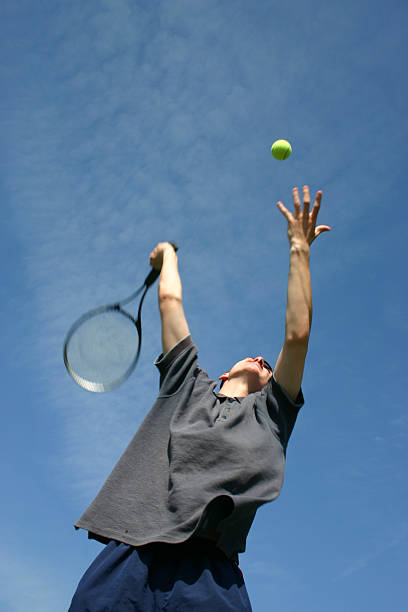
(302, 224)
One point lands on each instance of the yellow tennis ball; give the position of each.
(281, 149)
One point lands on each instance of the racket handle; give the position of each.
(149, 280)
(156, 273)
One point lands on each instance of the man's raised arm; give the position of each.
(174, 324)
(302, 230)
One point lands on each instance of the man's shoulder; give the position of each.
(177, 366)
(185, 346)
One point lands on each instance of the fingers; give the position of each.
(319, 230)
(155, 256)
(306, 202)
(296, 201)
(284, 210)
(308, 219)
(316, 207)
(322, 228)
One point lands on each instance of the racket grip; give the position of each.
(149, 280)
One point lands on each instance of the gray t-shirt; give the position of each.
(200, 461)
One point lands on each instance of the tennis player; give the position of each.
(176, 510)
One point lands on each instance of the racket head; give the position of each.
(102, 348)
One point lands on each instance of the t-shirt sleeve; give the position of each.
(177, 366)
(282, 409)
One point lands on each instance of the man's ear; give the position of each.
(224, 376)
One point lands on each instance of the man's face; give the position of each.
(255, 370)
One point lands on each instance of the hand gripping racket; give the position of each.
(103, 346)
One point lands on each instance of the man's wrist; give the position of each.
(169, 281)
(298, 246)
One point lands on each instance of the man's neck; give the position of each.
(235, 388)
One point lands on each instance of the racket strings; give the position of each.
(103, 346)
(103, 349)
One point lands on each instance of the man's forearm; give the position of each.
(299, 297)
(169, 281)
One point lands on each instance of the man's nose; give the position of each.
(260, 360)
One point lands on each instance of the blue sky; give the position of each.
(125, 123)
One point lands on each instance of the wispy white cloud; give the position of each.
(268, 569)
(135, 122)
(109, 164)
(26, 585)
(382, 546)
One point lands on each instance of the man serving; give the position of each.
(176, 510)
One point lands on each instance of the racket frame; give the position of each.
(100, 387)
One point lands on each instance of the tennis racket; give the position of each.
(103, 346)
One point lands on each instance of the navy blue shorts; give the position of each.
(192, 576)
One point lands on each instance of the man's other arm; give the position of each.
(302, 230)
